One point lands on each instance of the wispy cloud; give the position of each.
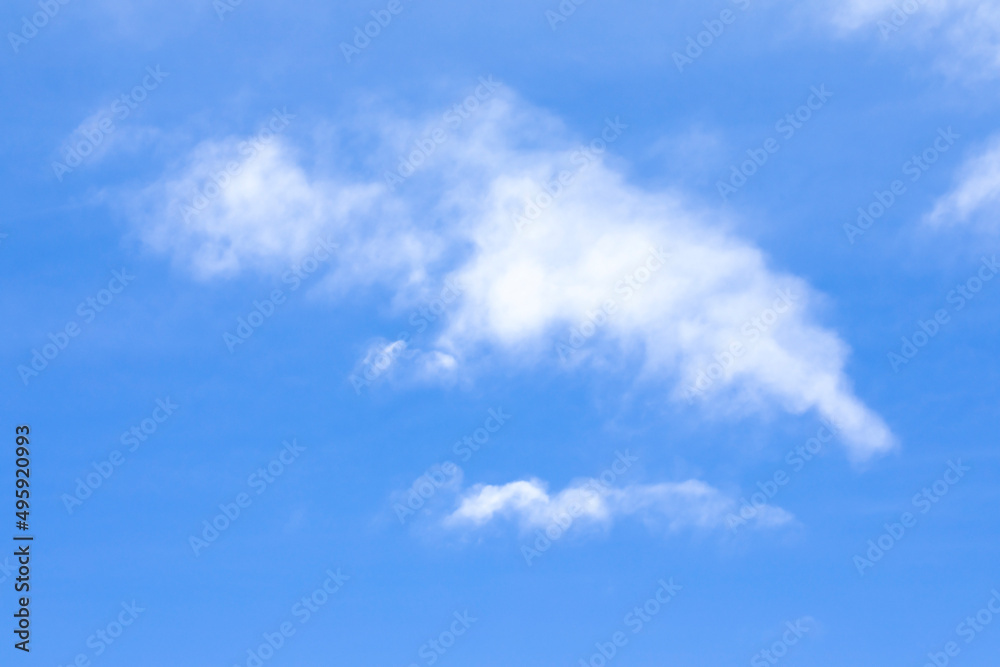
(975, 199)
(965, 34)
(236, 205)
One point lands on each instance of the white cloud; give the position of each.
(237, 204)
(975, 199)
(381, 355)
(383, 358)
(525, 290)
(146, 22)
(966, 33)
(861, 14)
(97, 142)
(689, 504)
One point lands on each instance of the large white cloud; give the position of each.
(532, 280)
(542, 236)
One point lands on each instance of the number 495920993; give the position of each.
(22, 474)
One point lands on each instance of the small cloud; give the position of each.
(688, 504)
(380, 359)
(436, 364)
(401, 362)
(243, 204)
(975, 199)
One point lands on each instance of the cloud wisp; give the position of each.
(965, 34)
(974, 201)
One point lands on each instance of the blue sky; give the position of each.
(507, 333)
